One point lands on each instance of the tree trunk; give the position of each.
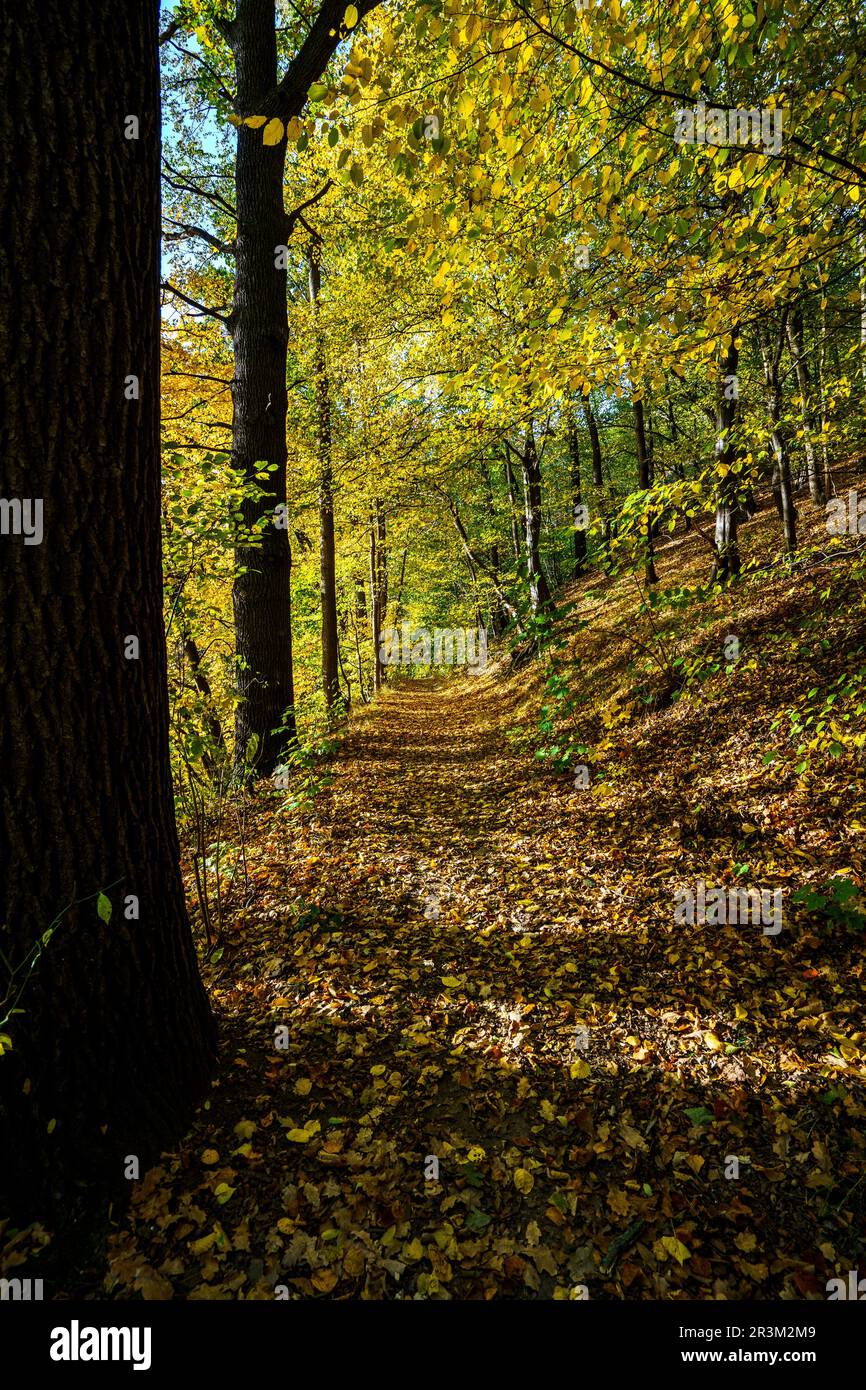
(644, 482)
(511, 485)
(726, 562)
(783, 493)
(262, 588)
(798, 356)
(579, 540)
(378, 588)
(861, 248)
(597, 470)
(539, 593)
(327, 556)
(115, 1039)
(258, 323)
(498, 610)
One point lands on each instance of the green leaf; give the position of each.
(700, 1115)
(103, 907)
(477, 1220)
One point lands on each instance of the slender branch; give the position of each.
(202, 308)
(225, 247)
(184, 186)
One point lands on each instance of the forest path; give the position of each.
(456, 957)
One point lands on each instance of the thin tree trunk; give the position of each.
(579, 538)
(726, 561)
(114, 1039)
(798, 356)
(597, 469)
(511, 485)
(644, 482)
(861, 248)
(327, 556)
(783, 493)
(378, 588)
(539, 593)
(821, 355)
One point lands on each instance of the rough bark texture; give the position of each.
(115, 1041)
(262, 589)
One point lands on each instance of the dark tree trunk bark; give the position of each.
(644, 482)
(539, 592)
(726, 562)
(579, 540)
(262, 589)
(327, 556)
(115, 1038)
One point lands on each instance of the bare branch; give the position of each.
(225, 247)
(184, 186)
(202, 308)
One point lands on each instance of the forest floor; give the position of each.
(467, 1051)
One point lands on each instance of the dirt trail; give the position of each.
(461, 965)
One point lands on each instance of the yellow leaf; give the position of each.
(324, 1280)
(350, 18)
(523, 1180)
(245, 1129)
(255, 122)
(712, 1042)
(449, 981)
(285, 1225)
(199, 1247)
(210, 1156)
(579, 1070)
(303, 1085)
(273, 132)
(676, 1249)
(746, 1241)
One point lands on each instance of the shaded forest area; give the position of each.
(433, 651)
